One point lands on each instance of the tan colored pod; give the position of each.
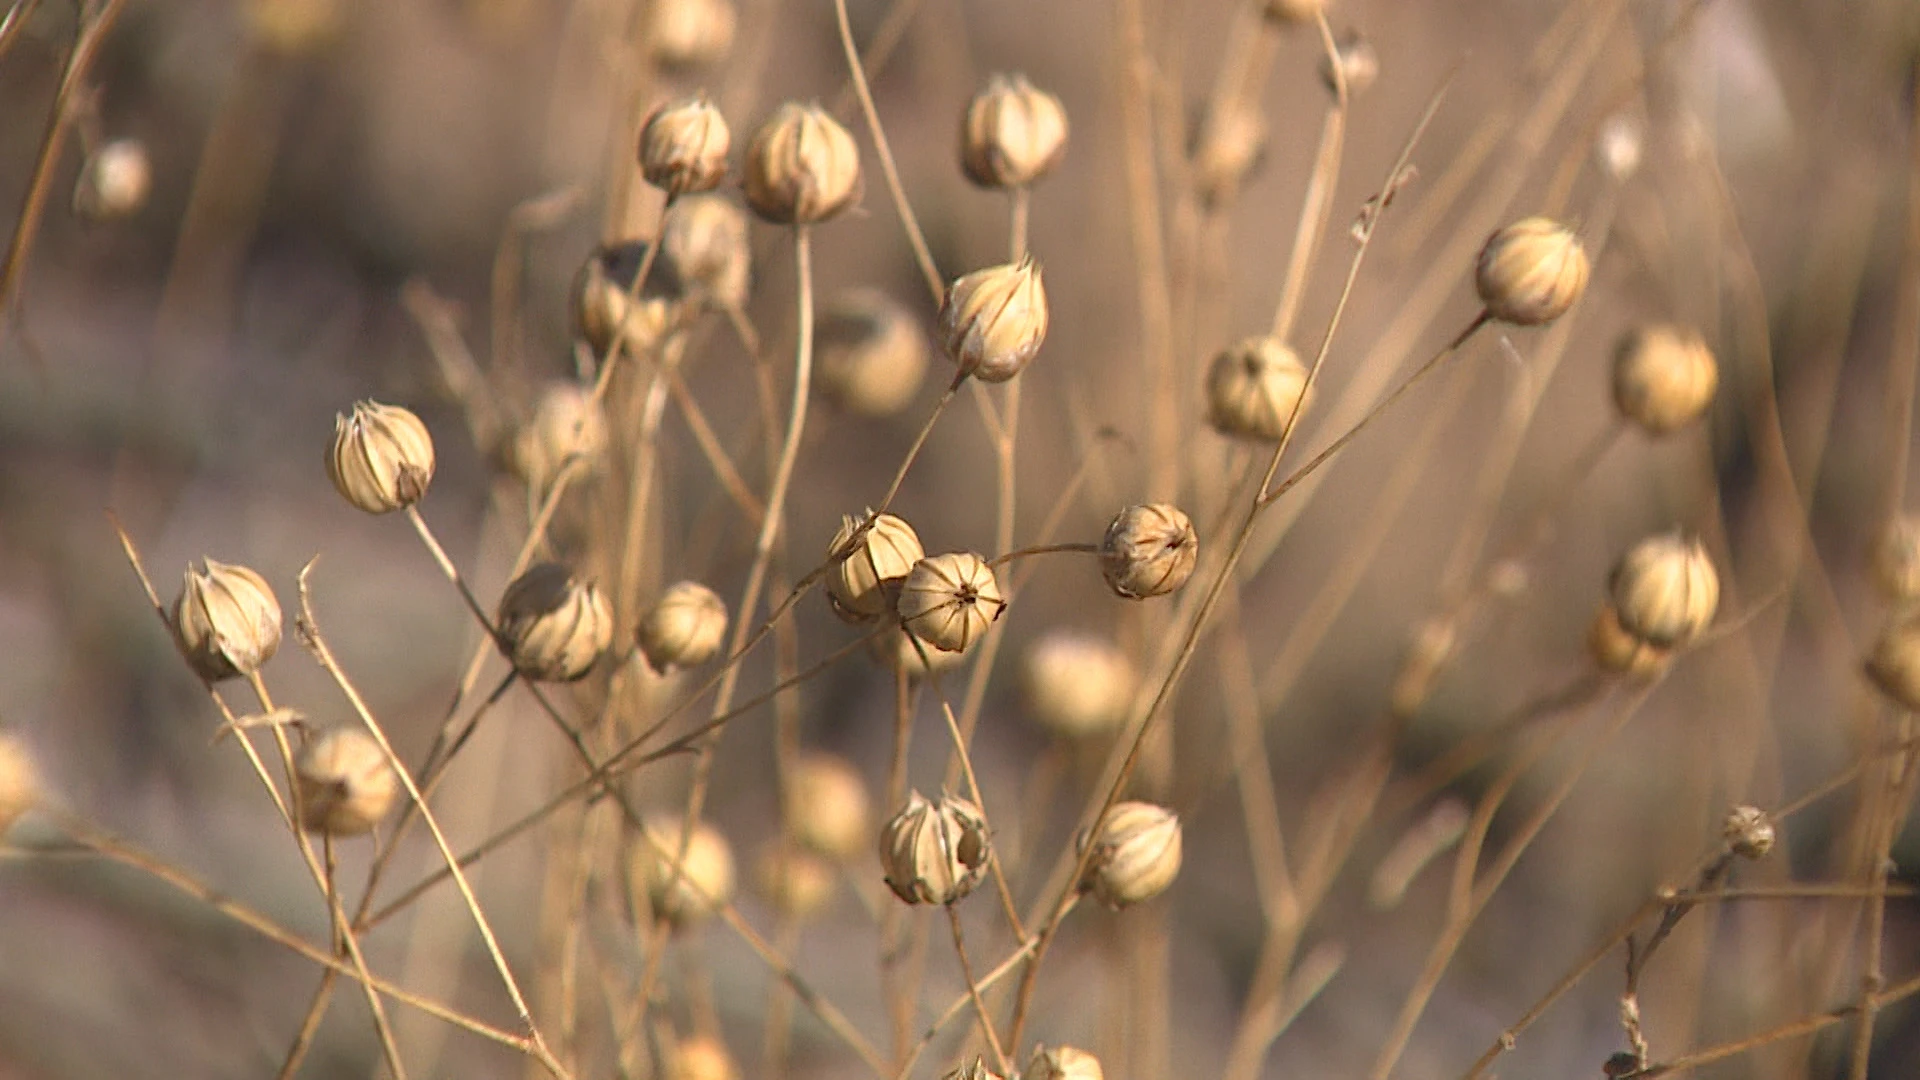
(1293, 11)
(1228, 148)
(226, 620)
(1254, 388)
(870, 353)
(381, 458)
(685, 627)
(870, 556)
(567, 425)
(683, 146)
(949, 601)
(1531, 272)
(346, 784)
(798, 883)
(602, 310)
(1012, 134)
(1619, 653)
(1749, 832)
(1063, 1063)
(802, 167)
(704, 880)
(684, 34)
(1359, 65)
(1136, 854)
(1148, 550)
(993, 321)
(553, 626)
(1894, 663)
(1665, 591)
(1076, 685)
(935, 852)
(704, 239)
(1896, 560)
(1664, 377)
(828, 810)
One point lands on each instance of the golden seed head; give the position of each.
(948, 601)
(935, 852)
(683, 146)
(869, 353)
(993, 321)
(1228, 147)
(802, 166)
(1358, 63)
(1012, 134)
(226, 620)
(1063, 1063)
(601, 308)
(828, 809)
(1665, 590)
(1076, 685)
(1748, 831)
(1618, 146)
(684, 628)
(797, 883)
(700, 1057)
(704, 239)
(19, 782)
(703, 882)
(1253, 389)
(1136, 855)
(1619, 653)
(1896, 559)
(114, 181)
(1293, 11)
(1148, 550)
(1894, 663)
(866, 570)
(685, 34)
(381, 459)
(1663, 377)
(1531, 272)
(567, 425)
(346, 785)
(552, 625)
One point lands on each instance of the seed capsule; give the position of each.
(802, 166)
(1253, 389)
(867, 570)
(1077, 686)
(994, 321)
(1896, 560)
(1531, 272)
(683, 146)
(1358, 63)
(948, 601)
(226, 621)
(1012, 134)
(935, 852)
(704, 239)
(567, 426)
(346, 785)
(1148, 550)
(1665, 590)
(1063, 1063)
(1664, 377)
(972, 1070)
(827, 806)
(870, 353)
(690, 33)
(1228, 147)
(552, 626)
(114, 181)
(1748, 831)
(381, 459)
(1894, 663)
(684, 628)
(705, 879)
(1620, 653)
(797, 883)
(1136, 856)
(19, 782)
(602, 311)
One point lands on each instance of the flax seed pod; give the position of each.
(949, 601)
(1619, 653)
(1896, 560)
(1136, 854)
(976, 1069)
(1664, 377)
(802, 167)
(1228, 148)
(1063, 1063)
(1894, 663)
(827, 807)
(684, 34)
(684, 628)
(19, 782)
(1148, 550)
(1254, 388)
(226, 620)
(704, 239)
(935, 852)
(703, 882)
(1077, 686)
(993, 321)
(381, 458)
(553, 626)
(1012, 134)
(870, 556)
(346, 785)
(1664, 590)
(568, 425)
(683, 146)
(870, 353)
(1359, 65)
(1531, 272)
(114, 181)
(602, 310)
(1748, 831)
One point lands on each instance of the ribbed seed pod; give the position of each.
(866, 571)
(567, 425)
(1076, 685)
(683, 146)
(1664, 377)
(346, 785)
(705, 241)
(1253, 389)
(949, 601)
(870, 353)
(993, 321)
(1619, 653)
(602, 311)
(1531, 272)
(1012, 134)
(935, 852)
(702, 883)
(802, 167)
(1063, 1063)
(685, 34)
(381, 458)
(684, 628)
(226, 620)
(553, 627)
(828, 809)
(1748, 831)
(1228, 148)
(1136, 854)
(1148, 550)
(1664, 590)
